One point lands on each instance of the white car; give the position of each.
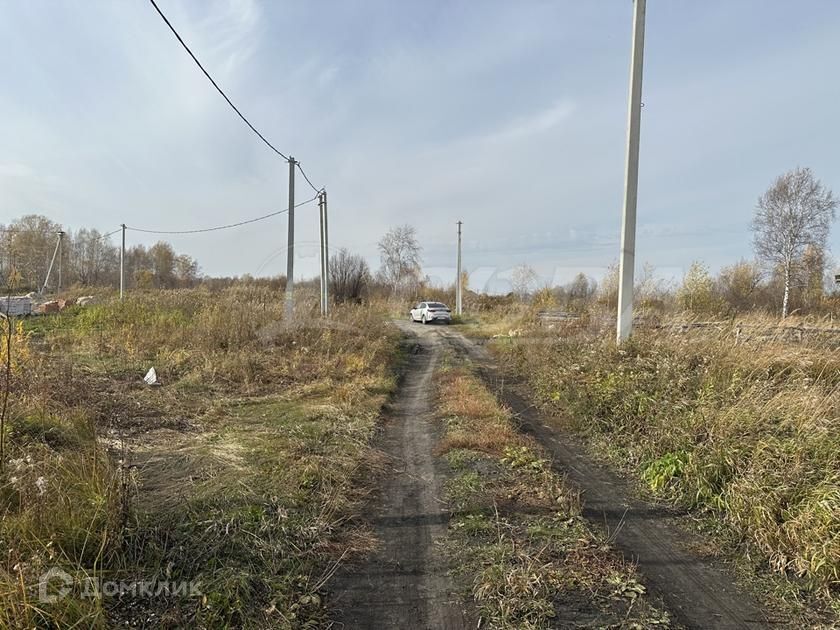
(428, 312)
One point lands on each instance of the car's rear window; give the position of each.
(436, 305)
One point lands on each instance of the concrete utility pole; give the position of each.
(52, 262)
(290, 244)
(624, 324)
(122, 263)
(326, 254)
(60, 256)
(323, 267)
(458, 286)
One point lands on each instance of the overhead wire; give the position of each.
(104, 236)
(216, 85)
(220, 227)
(111, 233)
(308, 181)
(228, 100)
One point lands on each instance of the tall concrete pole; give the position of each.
(122, 263)
(326, 254)
(60, 256)
(50, 268)
(458, 282)
(624, 324)
(290, 244)
(323, 260)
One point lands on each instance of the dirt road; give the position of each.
(698, 592)
(405, 585)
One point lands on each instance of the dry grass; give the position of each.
(738, 420)
(517, 534)
(461, 398)
(239, 473)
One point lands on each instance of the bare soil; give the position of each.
(405, 582)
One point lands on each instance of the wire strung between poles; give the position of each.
(216, 85)
(308, 181)
(109, 234)
(221, 227)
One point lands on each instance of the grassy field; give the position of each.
(230, 487)
(737, 423)
(517, 537)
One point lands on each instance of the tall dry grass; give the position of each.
(739, 419)
(240, 472)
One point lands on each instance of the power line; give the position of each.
(104, 236)
(308, 181)
(216, 85)
(221, 227)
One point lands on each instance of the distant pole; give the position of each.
(624, 324)
(60, 256)
(122, 263)
(326, 254)
(50, 268)
(323, 264)
(290, 243)
(458, 286)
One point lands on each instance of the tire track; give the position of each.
(698, 591)
(404, 583)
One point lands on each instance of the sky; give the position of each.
(508, 116)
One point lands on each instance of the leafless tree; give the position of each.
(31, 241)
(608, 289)
(523, 280)
(93, 259)
(89, 257)
(400, 256)
(794, 213)
(349, 277)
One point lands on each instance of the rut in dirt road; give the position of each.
(404, 583)
(698, 591)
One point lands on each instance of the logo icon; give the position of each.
(61, 581)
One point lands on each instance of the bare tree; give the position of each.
(88, 257)
(400, 256)
(349, 277)
(93, 260)
(794, 213)
(31, 241)
(523, 280)
(608, 290)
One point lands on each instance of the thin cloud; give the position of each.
(540, 122)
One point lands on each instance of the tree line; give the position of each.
(86, 257)
(791, 271)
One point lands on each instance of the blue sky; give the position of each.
(507, 115)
